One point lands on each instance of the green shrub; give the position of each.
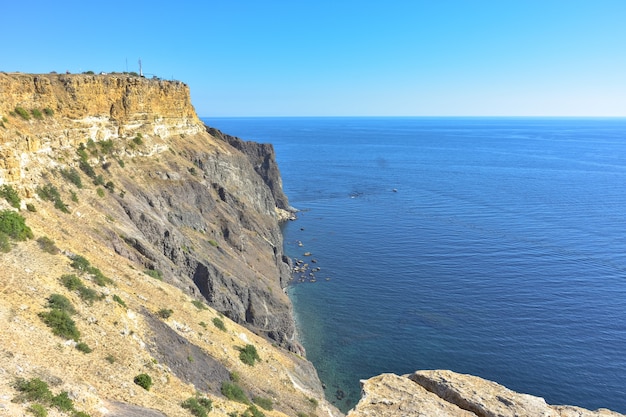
(234, 392)
(252, 411)
(137, 140)
(165, 313)
(98, 277)
(199, 407)
(121, 162)
(144, 381)
(99, 180)
(73, 176)
(235, 377)
(249, 355)
(61, 324)
(217, 322)
(31, 207)
(80, 263)
(262, 402)
(80, 414)
(50, 193)
(118, 300)
(313, 402)
(74, 196)
(10, 195)
(63, 402)
(106, 146)
(83, 156)
(33, 390)
(36, 114)
(47, 245)
(48, 111)
(213, 243)
(83, 347)
(85, 166)
(154, 273)
(199, 305)
(22, 113)
(110, 359)
(100, 192)
(38, 410)
(88, 295)
(13, 225)
(61, 302)
(71, 282)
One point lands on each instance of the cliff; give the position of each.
(180, 233)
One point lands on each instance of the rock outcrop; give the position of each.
(447, 393)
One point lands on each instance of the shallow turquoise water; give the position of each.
(501, 252)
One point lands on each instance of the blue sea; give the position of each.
(489, 246)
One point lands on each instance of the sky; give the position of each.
(253, 58)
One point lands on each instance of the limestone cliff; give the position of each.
(180, 231)
(170, 217)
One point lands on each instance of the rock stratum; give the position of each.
(153, 248)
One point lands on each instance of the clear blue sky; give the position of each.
(342, 58)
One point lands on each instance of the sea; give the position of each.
(489, 246)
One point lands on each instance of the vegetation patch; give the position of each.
(48, 112)
(199, 305)
(47, 245)
(33, 390)
(234, 392)
(73, 176)
(199, 407)
(81, 264)
(249, 355)
(154, 273)
(36, 114)
(61, 324)
(10, 195)
(265, 403)
(63, 402)
(51, 193)
(37, 391)
(118, 300)
(83, 347)
(61, 302)
(165, 313)
(14, 225)
(71, 282)
(219, 323)
(38, 410)
(20, 111)
(144, 381)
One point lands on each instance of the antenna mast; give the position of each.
(140, 71)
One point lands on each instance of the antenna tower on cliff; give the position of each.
(140, 71)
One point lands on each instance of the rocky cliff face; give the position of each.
(181, 226)
(446, 393)
(205, 214)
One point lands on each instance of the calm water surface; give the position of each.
(495, 247)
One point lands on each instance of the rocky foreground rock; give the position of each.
(450, 394)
